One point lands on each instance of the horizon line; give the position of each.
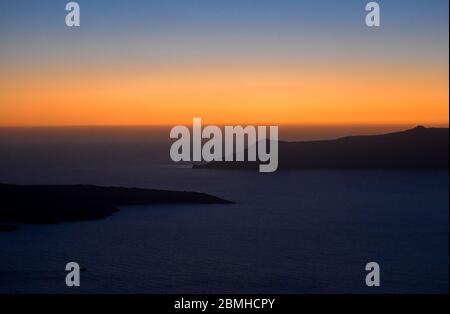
(412, 124)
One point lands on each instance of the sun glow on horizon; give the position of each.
(304, 96)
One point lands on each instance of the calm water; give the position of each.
(296, 232)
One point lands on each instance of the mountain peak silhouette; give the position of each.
(416, 148)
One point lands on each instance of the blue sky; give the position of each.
(410, 15)
(216, 30)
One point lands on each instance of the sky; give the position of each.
(164, 62)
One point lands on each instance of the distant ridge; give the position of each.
(417, 148)
(47, 204)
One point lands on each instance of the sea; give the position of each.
(305, 231)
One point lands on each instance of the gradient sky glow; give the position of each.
(229, 62)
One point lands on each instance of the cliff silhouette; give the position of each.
(48, 204)
(418, 148)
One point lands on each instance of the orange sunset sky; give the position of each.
(134, 75)
(304, 97)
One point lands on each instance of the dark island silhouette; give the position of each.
(419, 148)
(7, 228)
(49, 204)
